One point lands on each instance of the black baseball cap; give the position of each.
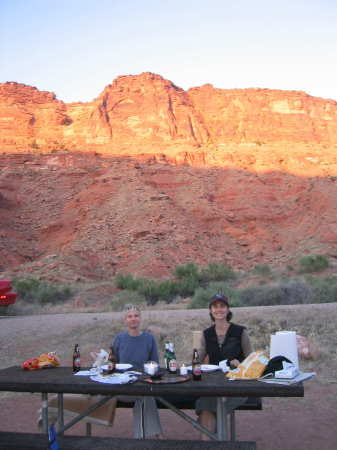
(218, 298)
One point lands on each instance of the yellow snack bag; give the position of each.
(251, 367)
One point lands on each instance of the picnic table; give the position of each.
(61, 380)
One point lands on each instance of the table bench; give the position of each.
(32, 441)
(188, 403)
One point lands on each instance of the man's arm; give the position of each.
(154, 356)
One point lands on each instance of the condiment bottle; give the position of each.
(196, 366)
(76, 359)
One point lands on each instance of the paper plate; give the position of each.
(123, 366)
(119, 366)
(206, 367)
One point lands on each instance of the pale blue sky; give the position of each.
(76, 47)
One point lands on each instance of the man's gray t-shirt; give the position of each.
(135, 350)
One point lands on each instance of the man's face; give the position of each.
(132, 319)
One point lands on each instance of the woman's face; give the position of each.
(219, 311)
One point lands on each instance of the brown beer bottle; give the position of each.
(76, 359)
(196, 366)
(112, 361)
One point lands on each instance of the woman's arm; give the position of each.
(246, 348)
(202, 350)
(245, 344)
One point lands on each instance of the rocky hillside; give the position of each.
(148, 176)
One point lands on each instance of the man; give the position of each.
(130, 346)
(136, 347)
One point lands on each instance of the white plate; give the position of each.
(206, 367)
(123, 366)
(119, 366)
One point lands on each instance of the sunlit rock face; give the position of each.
(148, 176)
(146, 112)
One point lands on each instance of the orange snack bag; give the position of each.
(251, 367)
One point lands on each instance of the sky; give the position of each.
(75, 48)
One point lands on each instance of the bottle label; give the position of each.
(173, 365)
(77, 362)
(196, 370)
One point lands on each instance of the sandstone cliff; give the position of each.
(148, 176)
(143, 113)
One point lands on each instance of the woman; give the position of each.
(223, 340)
(137, 347)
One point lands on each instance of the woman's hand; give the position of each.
(234, 363)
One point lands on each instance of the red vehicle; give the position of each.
(7, 296)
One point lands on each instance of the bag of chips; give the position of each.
(49, 359)
(251, 367)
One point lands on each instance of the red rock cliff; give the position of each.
(146, 112)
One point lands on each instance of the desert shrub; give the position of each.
(283, 293)
(122, 298)
(189, 270)
(168, 290)
(262, 269)
(149, 289)
(202, 295)
(35, 291)
(216, 272)
(126, 282)
(187, 286)
(324, 290)
(313, 263)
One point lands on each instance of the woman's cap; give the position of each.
(218, 298)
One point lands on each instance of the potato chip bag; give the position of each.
(251, 367)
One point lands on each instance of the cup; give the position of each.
(183, 370)
(151, 368)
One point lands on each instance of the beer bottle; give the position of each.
(196, 366)
(167, 355)
(172, 366)
(112, 361)
(76, 359)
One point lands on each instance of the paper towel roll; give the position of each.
(284, 343)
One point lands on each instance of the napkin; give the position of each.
(224, 365)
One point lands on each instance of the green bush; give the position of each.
(149, 289)
(168, 290)
(216, 272)
(262, 269)
(283, 293)
(324, 290)
(189, 270)
(35, 291)
(313, 263)
(126, 282)
(202, 295)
